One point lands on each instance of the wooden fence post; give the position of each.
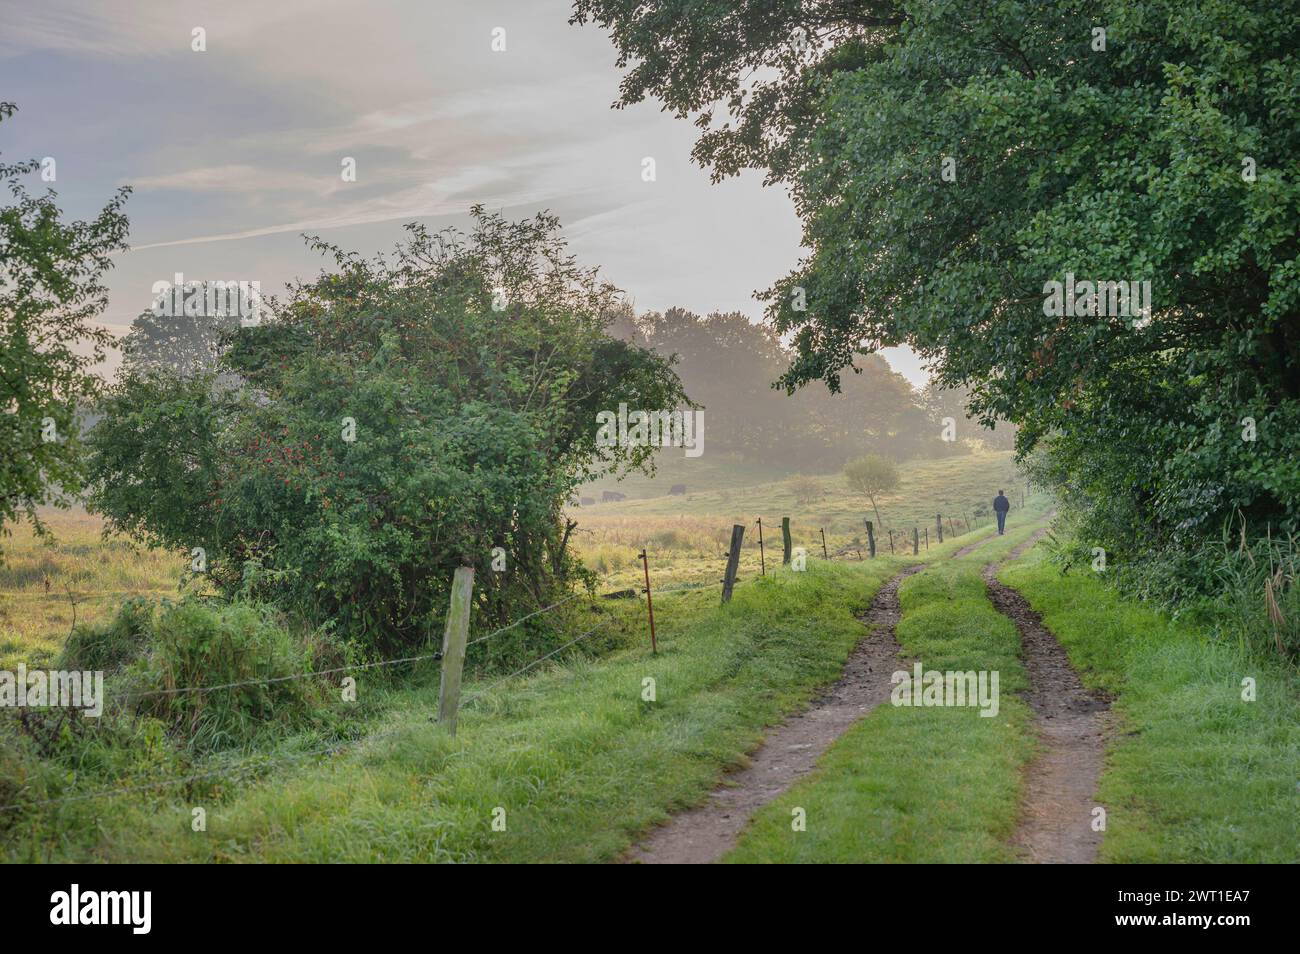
(916, 541)
(891, 542)
(762, 560)
(966, 521)
(649, 605)
(938, 525)
(786, 543)
(950, 529)
(453, 646)
(927, 538)
(733, 561)
(871, 540)
(825, 555)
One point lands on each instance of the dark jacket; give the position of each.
(1001, 504)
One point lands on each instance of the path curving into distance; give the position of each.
(1060, 794)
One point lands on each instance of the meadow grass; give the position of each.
(912, 784)
(948, 486)
(578, 761)
(1193, 772)
(45, 582)
(575, 757)
(687, 537)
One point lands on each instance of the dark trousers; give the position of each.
(1002, 521)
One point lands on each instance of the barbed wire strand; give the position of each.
(524, 619)
(273, 679)
(536, 662)
(338, 669)
(258, 762)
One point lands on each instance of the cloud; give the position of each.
(234, 178)
(151, 28)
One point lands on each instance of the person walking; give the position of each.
(1000, 506)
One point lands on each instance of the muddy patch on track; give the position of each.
(790, 750)
(1056, 823)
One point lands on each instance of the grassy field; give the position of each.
(79, 573)
(1196, 774)
(44, 583)
(578, 761)
(722, 489)
(910, 784)
(575, 757)
(687, 537)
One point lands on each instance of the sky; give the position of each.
(234, 151)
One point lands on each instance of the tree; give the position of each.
(393, 420)
(51, 289)
(950, 160)
(872, 476)
(806, 490)
(179, 344)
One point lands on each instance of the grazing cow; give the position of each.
(609, 495)
(677, 490)
(587, 501)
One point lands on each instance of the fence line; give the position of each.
(536, 662)
(338, 669)
(257, 762)
(433, 656)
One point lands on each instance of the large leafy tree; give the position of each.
(51, 290)
(390, 421)
(1164, 151)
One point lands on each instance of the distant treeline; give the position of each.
(728, 364)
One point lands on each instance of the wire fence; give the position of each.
(258, 763)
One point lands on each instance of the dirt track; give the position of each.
(704, 834)
(1056, 822)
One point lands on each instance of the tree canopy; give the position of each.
(51, 290)
(949, 159)
(391, 420)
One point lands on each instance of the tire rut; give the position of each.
(790, 750)
(1071, 722)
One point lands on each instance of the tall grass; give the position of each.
(1199, 770)
(1243, 590)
